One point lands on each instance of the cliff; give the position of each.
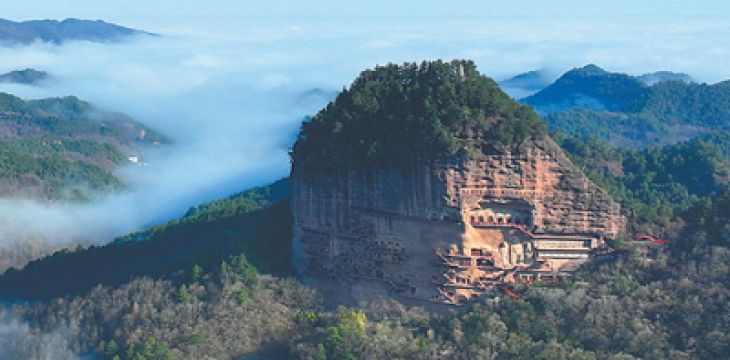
(451, 226)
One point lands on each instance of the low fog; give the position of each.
(18, 340)
(231, 97)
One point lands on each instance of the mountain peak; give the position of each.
(526, 83)
(660, 76)
(27, 76)
(418, 199)
(589, 70)
(414, 111)
(589, 87)
(55, 31)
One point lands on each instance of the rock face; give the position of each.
(450, 230)
(498, 201)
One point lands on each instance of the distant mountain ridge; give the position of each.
(25, 77)
(659, 76)
(589, 87)
(54, 31)
(527, 83)
(535, 80)
(653, 109)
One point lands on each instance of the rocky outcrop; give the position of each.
(448, 230)
(497, 202)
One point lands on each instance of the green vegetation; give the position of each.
(721, 139)
(341, 333)
(238, 204)
(413, 112)
(630, 130)
(227, 208)
(657, 184)
(711, 216)
(62, 148)
(695, 104)
(149, 349)
(628, 307)
(263, 231)
(61, 169)
(183, 295)
(593, 88)
(624, 111)
(158, 319)
(67, 117)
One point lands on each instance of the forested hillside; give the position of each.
(214, 283)
(52, 168)
(628, 111)
(659, 76)
(592, 88)
(380, 120)
(254, 221)
(656, 184)
(205, 298)
(63, 148)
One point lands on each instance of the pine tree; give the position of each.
(111, 350)
(183, 295)
(196, 273)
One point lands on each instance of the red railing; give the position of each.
(651, 239)
(510, 293)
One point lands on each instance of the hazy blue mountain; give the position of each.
(659, 76)
(626, 111)
(54, 31)
(526, 84)
(317, 96)
(27, 77)
(589, 87)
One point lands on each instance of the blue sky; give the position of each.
(156, 13)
